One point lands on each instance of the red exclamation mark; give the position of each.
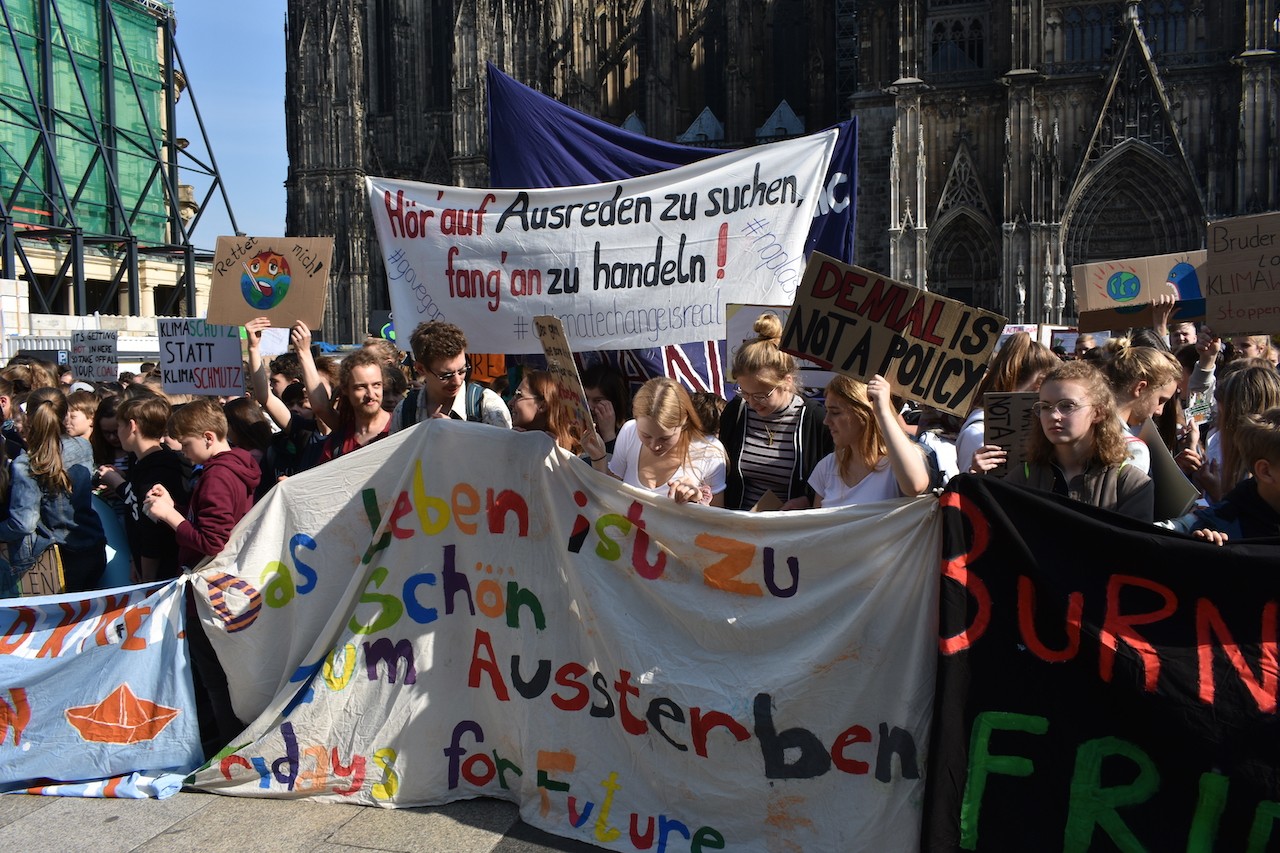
(722, 249)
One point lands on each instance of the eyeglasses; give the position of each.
(449, 374)
(1063, 407)
(755, 398)
(520, 395)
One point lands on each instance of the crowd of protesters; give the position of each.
(177, 473)
(174, 474)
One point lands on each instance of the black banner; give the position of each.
(1102, 684)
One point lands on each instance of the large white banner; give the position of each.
(624, 265)
(460, 611)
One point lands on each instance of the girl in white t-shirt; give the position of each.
(663, 449)
(874, 459)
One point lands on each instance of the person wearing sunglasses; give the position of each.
(774, 437)
(440, 359)
(1078, 448)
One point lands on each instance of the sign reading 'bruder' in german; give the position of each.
(1243, 294)
(934, 350)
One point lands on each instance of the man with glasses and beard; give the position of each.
(440, 359)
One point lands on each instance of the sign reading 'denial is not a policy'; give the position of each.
(284, 279)
(199, 357)
(1243, 295)
(636, 263)
(933, 349)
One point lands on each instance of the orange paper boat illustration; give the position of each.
(120, 718)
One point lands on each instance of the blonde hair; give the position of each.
(1013, 366)
(1244, 392)
(762, 355)
(670, 406)
(871, 446)
(46, 408)
(1108, 440)
(1126, 365)
(1258, 437)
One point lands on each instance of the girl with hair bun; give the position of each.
(774, 436)
(663, 448)
(51, 499)
(1143, 380)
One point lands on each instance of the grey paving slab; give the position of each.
(15, 806)
(470, 826)
(265, 826)
(103, 826)
(523, 838)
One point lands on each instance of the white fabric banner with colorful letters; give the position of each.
(459, 611)
(636, 263)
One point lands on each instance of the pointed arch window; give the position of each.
(957, 45)
(1166, 26)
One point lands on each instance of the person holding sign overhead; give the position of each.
(773, 436)
(663, 449)
(874, 459)
(356, 415)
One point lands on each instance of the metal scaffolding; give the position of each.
(90, 159)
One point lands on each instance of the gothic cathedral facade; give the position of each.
(1000, 142)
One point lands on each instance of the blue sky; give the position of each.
(233, 52)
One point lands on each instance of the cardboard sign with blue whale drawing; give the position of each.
(1118, 294)
(282, 278)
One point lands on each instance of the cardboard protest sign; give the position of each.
(932, 349)
(1243, 293)
(282, 278)
(1175, 495)
(635, 263)
(1007, 422)
(1118, 294)
(741, 320)
(562, 367)
(605, 657)
(95, 355)
(46, 576)
(198, 357)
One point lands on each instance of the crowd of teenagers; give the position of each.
(169, 476)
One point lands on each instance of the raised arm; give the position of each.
(261, 383)
(300, 336)
(905, 458)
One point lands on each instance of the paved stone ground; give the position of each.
(205, 823)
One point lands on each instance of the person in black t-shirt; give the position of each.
(141, 424)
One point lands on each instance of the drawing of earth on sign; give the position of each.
(265, 281)
(1123, 286)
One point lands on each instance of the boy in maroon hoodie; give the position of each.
(221, 497)
(223, 493)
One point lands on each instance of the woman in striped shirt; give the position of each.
(773, 435)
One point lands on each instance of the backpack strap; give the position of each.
(409, 409)
(474, 394)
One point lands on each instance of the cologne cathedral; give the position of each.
(999, 142)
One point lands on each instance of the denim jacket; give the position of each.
(37, 519)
